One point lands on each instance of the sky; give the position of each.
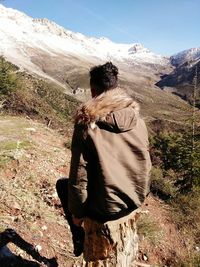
(165, 27)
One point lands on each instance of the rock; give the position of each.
(38, 248)
(145, 258)
(197, 249)
(44, 227)
(30, 129)
(16, 206)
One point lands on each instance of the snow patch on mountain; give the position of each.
(19, 33)
(192, 54)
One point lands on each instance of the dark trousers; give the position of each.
(77, 231)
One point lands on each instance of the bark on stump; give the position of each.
(112, 244)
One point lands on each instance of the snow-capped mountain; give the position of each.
(41, 47)
(188, 55)
(22, 37)
(181, 80)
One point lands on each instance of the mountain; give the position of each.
(181, 80)
(188, 55)
(48, 50)
(21, 33)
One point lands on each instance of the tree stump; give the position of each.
(111, 244)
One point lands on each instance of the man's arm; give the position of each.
(77, 190)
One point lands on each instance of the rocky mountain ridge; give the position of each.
(181, 80)
(189, 55)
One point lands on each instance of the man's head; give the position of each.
(103, 78)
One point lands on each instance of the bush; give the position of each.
(8, 78)
(163, 183)
(180, 153)
(23, 94)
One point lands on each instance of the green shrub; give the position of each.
(41, 100)
(163, 183)
(8, 77)
(180, 153)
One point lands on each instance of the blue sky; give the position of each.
(164, 26)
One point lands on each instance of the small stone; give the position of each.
(197, 249)
(30, 129)
(44, 227)
(55, 195)
(38, 248)
(16, 206)
(145, 258)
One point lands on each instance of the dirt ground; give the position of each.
(32, 158)
(165, 245)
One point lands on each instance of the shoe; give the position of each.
(78, 241)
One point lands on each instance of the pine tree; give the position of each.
(180, 151)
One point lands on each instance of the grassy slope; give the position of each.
(41, 100)
(138, 80)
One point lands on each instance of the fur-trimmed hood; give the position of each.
(114, 108)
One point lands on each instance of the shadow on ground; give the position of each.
(8, 259)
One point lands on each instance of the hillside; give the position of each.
(27, 95)
(180, 81)
(34, 155)
(32, 158)
(36, 119)
(46, 101)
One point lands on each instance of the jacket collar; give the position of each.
(99, 107)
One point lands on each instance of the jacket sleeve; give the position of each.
(148, 164)
(77, 187)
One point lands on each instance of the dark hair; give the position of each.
(104, 77)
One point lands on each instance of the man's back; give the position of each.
(116, 157)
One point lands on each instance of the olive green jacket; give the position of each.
(110, 164)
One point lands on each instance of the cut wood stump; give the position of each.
(111, 244)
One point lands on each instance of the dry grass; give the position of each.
(28, 200)
(149, 230)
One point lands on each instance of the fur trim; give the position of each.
(98, 108)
